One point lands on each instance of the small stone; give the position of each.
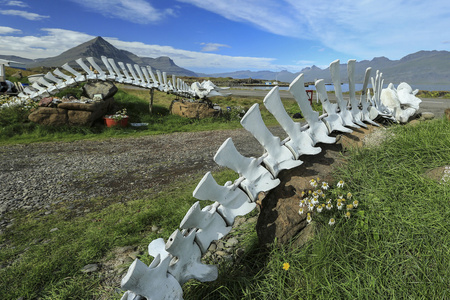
(48, 212)
(90, 268)
(54, 229)
(134, 254)
(212, 247)
(427, 116)
(155, 228)
(125, 249)
(231, 242)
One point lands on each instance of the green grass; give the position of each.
(396, 247)
(15, 127)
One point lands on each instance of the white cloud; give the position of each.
(136, 11)
(57, 41)
(211, 47)
(9, 30)
(23, 14)
(362, 29)
(54, 43)
(16, 3)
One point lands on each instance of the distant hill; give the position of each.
(98, 47)
(423, 67)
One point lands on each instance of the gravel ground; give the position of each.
(34, 176)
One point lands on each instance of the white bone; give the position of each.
(42, 92)
(129, 295)
(279, 157)
(51, 88)
(111, 75)
(364, 103)
(78, 77)
(136, 80)
(257, 178)
(147, 77)
(318, 131)
(211, 226)
(155, 82)
(90, 74)
(152, 282)
(347, 118)
(69, 81)
(333, 120)
(128, 79)
(60, 84)
(300, 142)
(186, 263)
(233, 201)
(119, 76)
(355, 111)
(158, 247)
(174, 84)
(101, 74)
(160, 80)
(31, 94)
(141, 76)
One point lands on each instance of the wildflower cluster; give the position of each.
(323, 199)
(13, 101)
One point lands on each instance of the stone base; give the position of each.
(193, 110)
(71, 113)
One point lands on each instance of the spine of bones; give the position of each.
(179, 259)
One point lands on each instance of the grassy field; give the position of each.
(15, 127)
(396, 247)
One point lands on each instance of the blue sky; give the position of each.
(218, 36)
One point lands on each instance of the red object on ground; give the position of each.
(111, 122)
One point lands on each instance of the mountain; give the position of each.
(98, 47)
(423, 67)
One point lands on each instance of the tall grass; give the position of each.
(396, 247)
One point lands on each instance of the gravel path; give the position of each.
(34, 176)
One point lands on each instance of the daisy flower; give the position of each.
(311, 206)
(349, 195)
(308, 218)
(315, 195)
(349, 206)
(340, 183)
(302, 203)
(301, 211)
(331, 222)
(355, 203)
(313, 182)
(325, 185)
(329, 206)
(347, 215)
(319, 208)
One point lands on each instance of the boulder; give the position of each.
(193, 110)
(71, 113)
(49, 116)
(105, 88)
(279, 218)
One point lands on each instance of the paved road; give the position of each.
(434, 105)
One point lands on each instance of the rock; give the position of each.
(106, 88)
(54, 229)
(18, 74)
(44, 102)
(193, 110)
(279, 218)
(49, 116)
(90, 268)
(426, 116)
(71, 113)
(297, 116)
(231, 242)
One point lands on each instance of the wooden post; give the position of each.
(150, 106)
